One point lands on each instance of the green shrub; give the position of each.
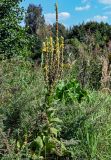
(22, 93)
(87, 127)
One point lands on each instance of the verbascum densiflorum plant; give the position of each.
(52, 64)
(46, 143)
(52, 58)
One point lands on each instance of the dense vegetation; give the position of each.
(53, 108)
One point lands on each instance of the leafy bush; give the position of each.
(14, 40)
(21, 94)
(70, 91)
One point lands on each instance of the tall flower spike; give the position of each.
(62, 56)
(53, 57)
(56, 8)
(57, 41)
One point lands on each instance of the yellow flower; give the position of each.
(44, 47)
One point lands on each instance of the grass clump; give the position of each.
(88, 125)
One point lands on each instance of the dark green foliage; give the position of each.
(61, 28)
(99, 30)
(35, 47)
(34, 19)
(73, 46)
(95, 74)
(13, 37)
(36, 29)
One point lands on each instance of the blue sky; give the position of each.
(72, 12)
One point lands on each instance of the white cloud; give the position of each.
(105, 1)
(83, 8)
(64, 15)
(98, 18)
(51, 17)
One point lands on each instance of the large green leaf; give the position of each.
(56, 120)
(54, 131)
(39, 142)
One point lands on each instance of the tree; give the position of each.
(95, 29)
(35, 24)
(11, 33)
(61, 30)
(35, 20)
